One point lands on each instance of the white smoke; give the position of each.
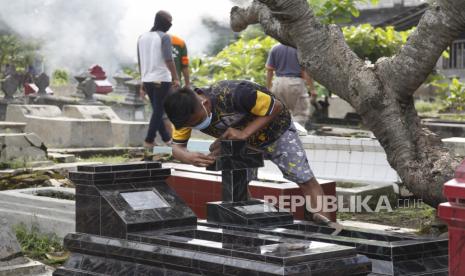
(75, 34)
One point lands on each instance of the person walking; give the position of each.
(158, 73)
(289, 84)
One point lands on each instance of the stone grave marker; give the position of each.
(133, 96)
(9, 87)
(121, 79)
(88, 88)
(236, 208)
(128, 200)
(42, 82)
(9, 246)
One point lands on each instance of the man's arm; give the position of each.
(198, 159)
(167, 53)
(309, 82)
(255, 125)
(185, 74)
(269, 77)
(174, 75)
(141, 89)
(185, 65)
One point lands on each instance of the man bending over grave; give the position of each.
(246, 111)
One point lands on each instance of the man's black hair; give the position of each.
(161, 22)
(180, 105)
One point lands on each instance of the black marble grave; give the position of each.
(390, 253)
(236, 207)
(131, 223)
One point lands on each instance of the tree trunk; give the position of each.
(381, 93)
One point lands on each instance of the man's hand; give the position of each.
(142, 92)
(215, 148)
(176, 84)
(200, 160)
(234, 134)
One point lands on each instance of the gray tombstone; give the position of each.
(133, 96)
(9, 87)
(42, 82)
(88, 88)
(9, 246)
(121, 86)
(80, 78)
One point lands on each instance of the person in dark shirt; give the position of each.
(246, 111)
(289, 83)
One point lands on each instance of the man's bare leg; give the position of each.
(313, 190)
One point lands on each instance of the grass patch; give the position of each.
(452, 117)
(14, 164)
(38, 246)
(56, 194)
(418, 217)
(428, 107)
(27, 179)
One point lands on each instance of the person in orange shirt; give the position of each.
(181, 61)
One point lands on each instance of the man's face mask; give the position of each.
(205, 123)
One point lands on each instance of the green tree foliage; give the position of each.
(246, 58)
(243, 59)
(16, 52)
(337, 11)
(452, 93)
(60, 77)
(373, 43)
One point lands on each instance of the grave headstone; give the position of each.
(133, 108)
(102, 84)
(88, 88)
(234, 161)
(9, 246)
(9, 87)
(133, 96)
(131, 197)
(121, 79)
(42, 82)
(80, 78)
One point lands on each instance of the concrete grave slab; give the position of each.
(124, 133)
(58, 131)
(33, 207)
(25, 147)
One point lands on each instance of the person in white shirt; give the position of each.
(158, 73)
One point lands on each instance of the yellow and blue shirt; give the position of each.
(235, 104)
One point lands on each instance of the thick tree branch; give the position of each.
(258, 13)
(440, 25)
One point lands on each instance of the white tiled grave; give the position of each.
(346, 159)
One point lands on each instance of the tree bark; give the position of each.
(382, 93)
